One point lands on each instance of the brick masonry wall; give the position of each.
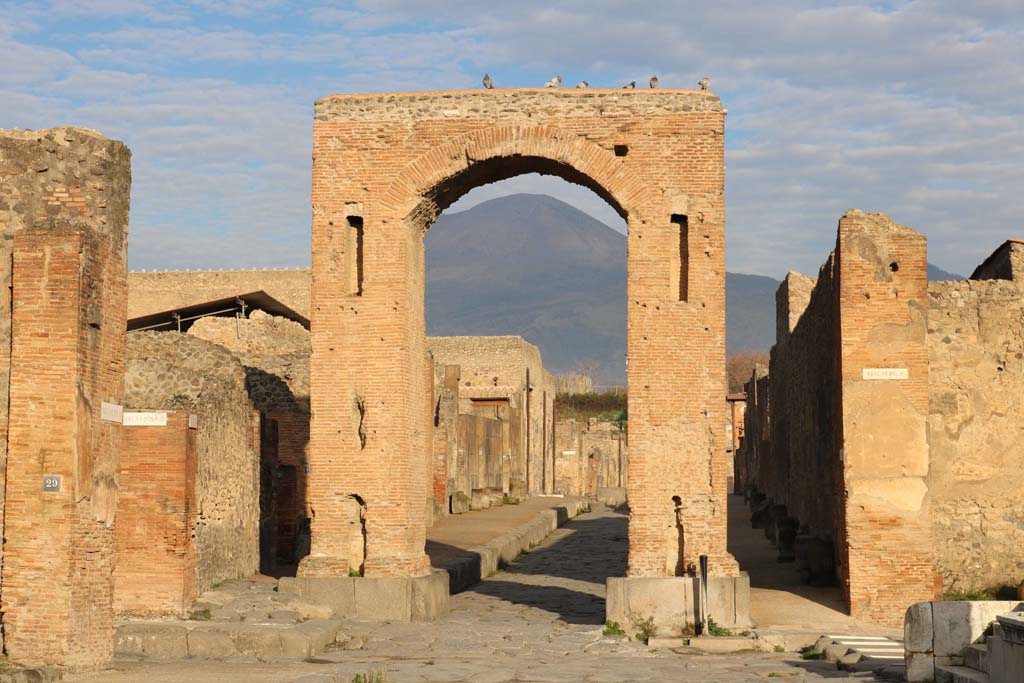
(156, 514)
(841, 450)
(884, 521)
(63, 225)
(385, 166)
(172, 371)
(156, 291)
(975, 428)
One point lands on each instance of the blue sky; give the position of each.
(912, 108)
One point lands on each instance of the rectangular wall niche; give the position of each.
(354, 254)
(681, 230)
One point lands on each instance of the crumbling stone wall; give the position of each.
(64, 196)
(506, 367)
(172, 371)
(845, 457)
(275, 354)
(274, 351)
(975, 428)
(163, 290)
(590, 455)
(803, 390)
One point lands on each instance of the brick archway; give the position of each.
(436, 179)
(384, 167)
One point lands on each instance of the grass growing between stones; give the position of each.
(715, 630)
(810, 654)
(612, 628)
(199, 615)
(982, 594)
(371, 677)
(645, 629)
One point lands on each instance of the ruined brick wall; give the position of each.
(846, 453)
(156, 291)
(885, 525)
(156, 514)
(756, 434)
(589, 454)
(63, 241)
(386, 165)
(975, 426)
(802, 455)
(172, 371)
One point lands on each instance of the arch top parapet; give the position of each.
(505, 102)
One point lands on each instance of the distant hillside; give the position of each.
(533, 266)
(936, 273)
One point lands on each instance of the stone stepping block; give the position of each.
(169, 640)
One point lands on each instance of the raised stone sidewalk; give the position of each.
(266, 620)
(475, 545)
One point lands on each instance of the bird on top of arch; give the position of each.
(556, 82)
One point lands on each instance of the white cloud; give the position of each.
(911, 107)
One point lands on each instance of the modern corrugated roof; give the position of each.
(231, 305)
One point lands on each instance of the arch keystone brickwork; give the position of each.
(396, 160)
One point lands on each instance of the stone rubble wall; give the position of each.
(274, 351)
(975, 431)
(173, 371)
(803, 386)
(275, 354)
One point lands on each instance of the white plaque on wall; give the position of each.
(111, 412)
(193, 421)
(145, 420)
(885, 373)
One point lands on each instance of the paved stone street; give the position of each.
(540, 620)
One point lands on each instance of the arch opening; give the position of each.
(501, 273)
(495, 169)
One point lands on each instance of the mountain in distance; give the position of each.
(534, 266)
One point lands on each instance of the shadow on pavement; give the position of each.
(587, 551)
